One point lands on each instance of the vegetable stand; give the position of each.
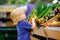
(10, 31)
(47, 33)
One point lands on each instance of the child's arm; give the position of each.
(27, 25)
(33, 24)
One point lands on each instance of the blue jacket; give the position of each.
(23, 30)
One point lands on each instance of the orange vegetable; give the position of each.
(30, 21)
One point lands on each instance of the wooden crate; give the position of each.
(48, 33)
(50, 21)
(33, 38)
(53, 34)
(40, 32)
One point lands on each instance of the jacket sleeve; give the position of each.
(26, 25)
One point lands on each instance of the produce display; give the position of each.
(42, 13)
(55, 21)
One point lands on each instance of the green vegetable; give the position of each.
(34, 11)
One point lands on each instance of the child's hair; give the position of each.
(16, 15)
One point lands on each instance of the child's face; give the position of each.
(22, 16)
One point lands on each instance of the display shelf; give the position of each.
(7, 8)
(10, 24)
(54, 34)
(8, 29)
(40, 32)
(5, 19)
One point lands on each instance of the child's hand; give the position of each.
(32, 20)
(33, 23)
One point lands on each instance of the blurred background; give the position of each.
(7, 28)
